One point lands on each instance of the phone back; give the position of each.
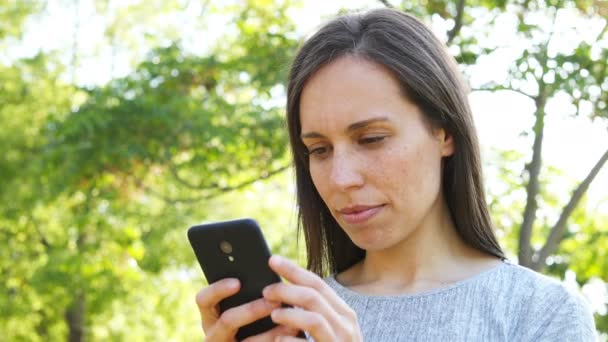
(235, 249)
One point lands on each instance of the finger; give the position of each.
(312, 322)
(295, 274)
(208, 299)
(272, 334)
(302, 297)
(232, 319)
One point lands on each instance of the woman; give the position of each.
(392, 206)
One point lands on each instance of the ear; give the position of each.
(446, 142)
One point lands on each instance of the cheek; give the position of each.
(409, 172)
(427, 175)
(397, 171)
(319, 178)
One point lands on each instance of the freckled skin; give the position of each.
(401, 172)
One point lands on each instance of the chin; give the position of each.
(371, 244)
(378, 240)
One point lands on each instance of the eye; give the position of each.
(372, 139)
(320, 151)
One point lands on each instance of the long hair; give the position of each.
(430, 79)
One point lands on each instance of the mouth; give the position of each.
(359, 213)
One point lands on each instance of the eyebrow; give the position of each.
(352, 127)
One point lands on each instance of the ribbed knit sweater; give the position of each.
(505, 303)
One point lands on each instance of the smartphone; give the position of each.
(235, 249)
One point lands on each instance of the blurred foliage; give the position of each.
(13, 13)
(100, 182)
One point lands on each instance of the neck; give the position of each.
(432, 256)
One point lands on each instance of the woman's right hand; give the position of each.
(225, 326)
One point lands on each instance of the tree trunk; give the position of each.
(533, 187)
(75, 318)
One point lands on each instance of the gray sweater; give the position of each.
(505, 303)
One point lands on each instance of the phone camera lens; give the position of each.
(226, 247)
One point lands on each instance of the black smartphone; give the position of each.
(236, 249)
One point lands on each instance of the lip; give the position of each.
(359, 213)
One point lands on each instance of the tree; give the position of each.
(101, 188)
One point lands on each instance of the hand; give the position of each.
(225, 326)
(317, 309)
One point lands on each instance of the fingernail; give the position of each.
(276, 260)
(233, 283)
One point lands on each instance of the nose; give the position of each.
(346, 171)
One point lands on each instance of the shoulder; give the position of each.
(528, 284)
(548, 310)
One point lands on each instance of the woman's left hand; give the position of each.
(316, 308)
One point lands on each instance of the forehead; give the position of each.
(347, 90)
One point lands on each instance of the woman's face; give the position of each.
(374, 159)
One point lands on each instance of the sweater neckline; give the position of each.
(477, 277)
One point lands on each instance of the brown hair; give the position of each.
(430, 78)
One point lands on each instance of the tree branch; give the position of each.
(533, 186)
(386, 3)
(208, 196)
(602, 32)
(526, 253)
(457, 22)
(174, 172)
(43, 239)
(557, 232)
(497, 88)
